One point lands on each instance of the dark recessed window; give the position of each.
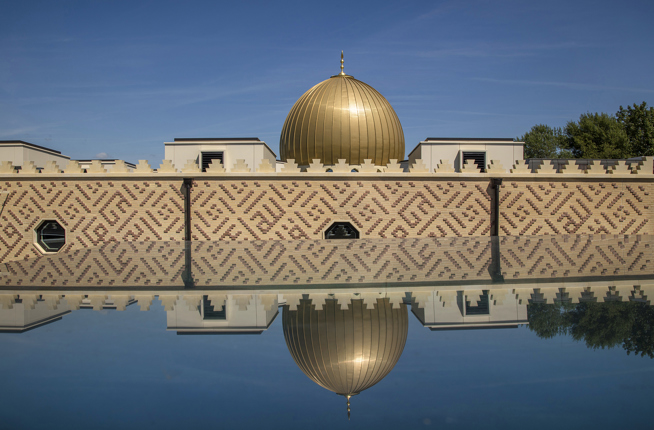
(478, 307)
(208, 157)
(342, 230)
(50, 236)
(211, 313)
(478, 157)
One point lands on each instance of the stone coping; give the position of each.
(444, 169)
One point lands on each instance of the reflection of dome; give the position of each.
(346, 351)
(342, 118)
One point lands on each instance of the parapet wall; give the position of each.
(381, 202)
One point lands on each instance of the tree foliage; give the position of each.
(597, 135)
(628, 133)
(543, 141)
(598, 325)
(638, 123)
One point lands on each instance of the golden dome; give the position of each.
(342, 118)
(346, 350)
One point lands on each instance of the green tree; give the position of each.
(638, 124)
(597, 135)
(543, 141)
(601, 325)
(548, 320)
(598, 325)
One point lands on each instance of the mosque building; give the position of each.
(341, 173)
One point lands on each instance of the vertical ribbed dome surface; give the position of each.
(342, 118)
(346, 351)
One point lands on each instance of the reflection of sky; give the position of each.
(123, 369)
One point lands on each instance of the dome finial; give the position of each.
(342, 67)
(348, 398)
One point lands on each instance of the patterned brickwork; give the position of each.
(102, 208)
(556, 206)
(304, 209)
(91, 212)
(257, 263)
(576, 256)
(386, 262)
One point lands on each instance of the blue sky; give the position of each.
(121, 78)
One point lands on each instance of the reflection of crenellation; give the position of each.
(29, 311)
(220, 313)
(102, 301)
(469, 309)
(252, 311)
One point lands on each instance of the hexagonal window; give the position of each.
(50, 236)
(341, 230)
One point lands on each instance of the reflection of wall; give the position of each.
(427, 261)
(30, 311)
(469, 309)
(243, 313)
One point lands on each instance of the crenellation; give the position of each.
(369, 167)
(28, 168)
(342, 166)
(143, 167)
(393, 167)
(290, 167)
(570, 167)
(216, 167)
(444, 166)
(266, 167)
(73, 167)
(191, 166)
(96, 168)
(620, 168)
(496, 167)
(167, 166)
(7, 168)
(50, 168)
(546, 167)
(470, 167)
(520, 167)
(595, 168)
(645, 166)
(419, 167)
(316, 167)
(240, 167)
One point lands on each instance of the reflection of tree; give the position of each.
(599, 325)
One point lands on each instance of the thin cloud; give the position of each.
(569, 85)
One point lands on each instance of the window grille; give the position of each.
(479, 159)
(207, 157)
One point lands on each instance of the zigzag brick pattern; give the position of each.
(304, 209)
(575, 256)
(261, 264)
(556, 206)
(91, 212)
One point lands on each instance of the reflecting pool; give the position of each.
(501, 333)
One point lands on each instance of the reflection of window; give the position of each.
(50, 236)
(210, 312)
(478, 307)
(479, 159)
(207, 157)
(342, 230)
